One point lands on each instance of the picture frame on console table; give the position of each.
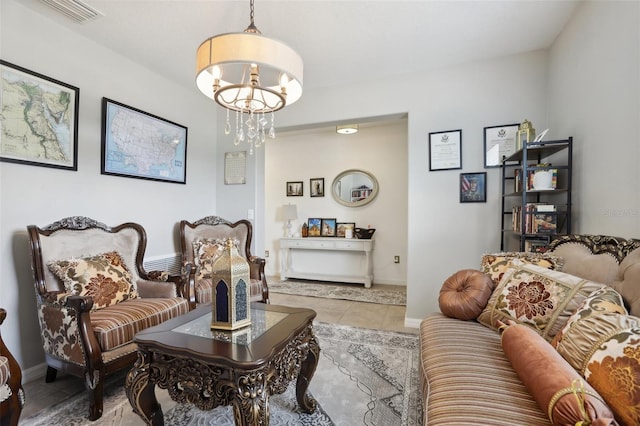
(315, 225)
(473, 187)
(39, 119)
(343, 227)
(328, 228)
(445, 150)
(141, 145)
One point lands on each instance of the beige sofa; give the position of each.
(469, 380)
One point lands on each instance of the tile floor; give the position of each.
(41, 395)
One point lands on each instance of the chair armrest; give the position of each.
(164, 289)
(256, 271)
(66, 328)
(189, 272)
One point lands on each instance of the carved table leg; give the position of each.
(251, 401)
(307, 370)
(140, 392)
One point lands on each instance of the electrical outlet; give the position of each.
(396, 259)
(266, 253)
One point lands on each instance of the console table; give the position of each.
(330, 245)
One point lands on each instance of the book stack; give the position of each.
(537, 218)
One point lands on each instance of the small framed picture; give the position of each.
(328, 228)
(294, 189)
(445, 150)
(473, 188)
(314, 224)
(316, 186)
(343, 228)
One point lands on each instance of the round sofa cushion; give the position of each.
(465, 294)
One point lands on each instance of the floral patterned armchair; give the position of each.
(201, 242)
(11, 392)
(93, 295)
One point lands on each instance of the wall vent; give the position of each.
(170, 263)
(74, 9)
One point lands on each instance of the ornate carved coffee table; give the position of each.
(212, 368)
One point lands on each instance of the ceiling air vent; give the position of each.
(74, 9)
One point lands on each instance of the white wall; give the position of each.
(443, 235)
(380, 149)
(594, 94)
(38, 195)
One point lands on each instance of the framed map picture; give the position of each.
(141, 145)
(38, 119)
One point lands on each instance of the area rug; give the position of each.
(364, 377)
(355, 292)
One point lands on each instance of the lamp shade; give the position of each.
(290, 211)
(222, 60)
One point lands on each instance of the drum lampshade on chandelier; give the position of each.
(251, 75)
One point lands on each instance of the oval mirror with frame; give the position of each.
(354, 188)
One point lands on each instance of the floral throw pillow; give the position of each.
(495, 264)
(205, 253)
(537, 297)
(614, 371)
(103, 276)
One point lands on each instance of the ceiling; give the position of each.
(341, 42)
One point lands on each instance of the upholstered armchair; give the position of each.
(201, 242)
(11, 392)
(93, 295)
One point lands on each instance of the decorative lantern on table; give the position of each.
(231, 294)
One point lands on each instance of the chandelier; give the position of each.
(251, 75)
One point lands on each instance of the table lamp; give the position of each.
(290, 212)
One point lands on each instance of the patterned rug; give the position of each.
(356, 292)
(364, 377)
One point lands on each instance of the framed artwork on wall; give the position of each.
(294, 189)
(316, 186)
(473, 187)
(140, 145)
(499, 143)
(445, 150)
(39, 119)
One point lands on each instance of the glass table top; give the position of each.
(261, 321)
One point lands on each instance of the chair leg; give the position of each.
(95, 399)
(51, 375)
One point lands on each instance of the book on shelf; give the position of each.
(536, 219)
(536, 246)
(544, 223)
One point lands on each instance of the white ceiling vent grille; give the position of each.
(74, 9)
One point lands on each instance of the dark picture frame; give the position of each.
(140, 145)
(328, 228)
(445, 150)
(315, 226)
(295, 189)
(316, 187)
(499, 143)
(30, 134)
(473, 187)
(341, 228)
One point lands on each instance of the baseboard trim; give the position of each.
(412, 322)
(34, 373)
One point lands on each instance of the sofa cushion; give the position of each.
(614, 371)
(117, 325)
(465, 294)
(103, 276)
(538, 297)
(204, 290)
(560, 391)
(495, 264)
(627, 279)
(599, 316)
(205, 253)
(467, 379)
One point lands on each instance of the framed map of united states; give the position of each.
(38, 119)
(141, 145)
